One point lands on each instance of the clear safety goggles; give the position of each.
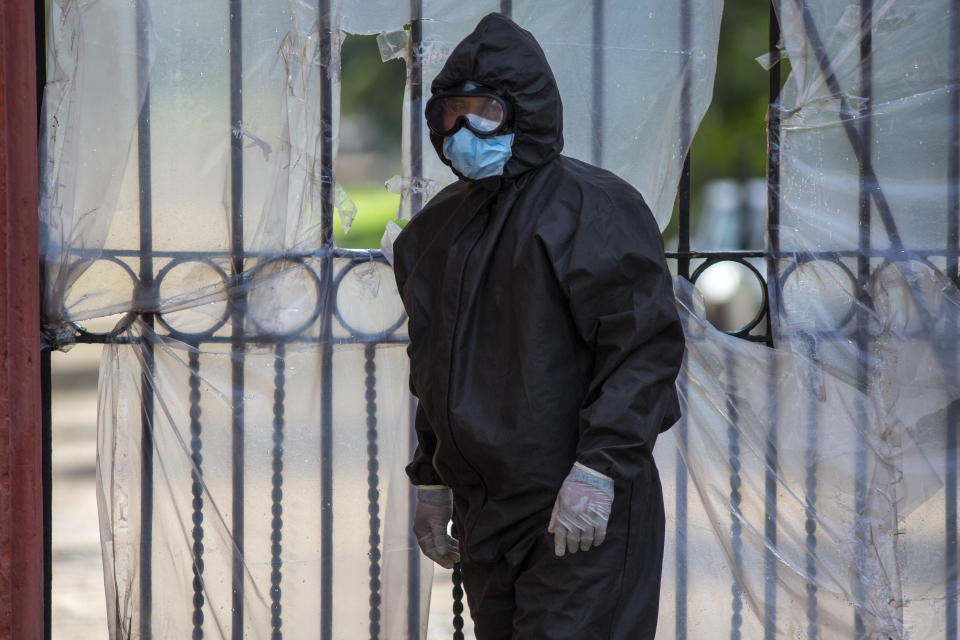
(484, 114)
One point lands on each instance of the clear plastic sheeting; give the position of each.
(95, 50)
(826, 469)
(208, 145)
(820, 502)
(284, 513)
(254, 414)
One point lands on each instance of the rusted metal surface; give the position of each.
(21, 523)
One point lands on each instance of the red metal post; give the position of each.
(21, 498)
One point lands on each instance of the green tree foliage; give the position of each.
(731, 141)
(373, 88)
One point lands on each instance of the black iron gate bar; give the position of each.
(238, 305)
(863, 296)
(683, 269)
(773, 246)
(953, 262)
(415, 125)
(146, 286)
(146, 348)
(773, 217)
(773, 220)
(953, 245)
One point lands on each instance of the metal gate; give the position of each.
(326, 267)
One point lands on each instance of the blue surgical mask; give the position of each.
(475, 157)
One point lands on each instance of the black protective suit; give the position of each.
(543, 331)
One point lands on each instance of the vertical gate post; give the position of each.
(21, 501)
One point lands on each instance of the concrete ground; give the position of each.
(78, 602)
(79, 608)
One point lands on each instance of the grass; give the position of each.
(375, 207)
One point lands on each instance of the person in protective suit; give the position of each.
(544, 348)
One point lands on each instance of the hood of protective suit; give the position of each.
(502, 56)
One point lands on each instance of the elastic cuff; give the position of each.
(435, 495)
(593, 471)
(585, 475)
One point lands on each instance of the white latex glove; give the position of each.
(430, 520)
(582, 509)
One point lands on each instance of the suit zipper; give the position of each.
(453, 344)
